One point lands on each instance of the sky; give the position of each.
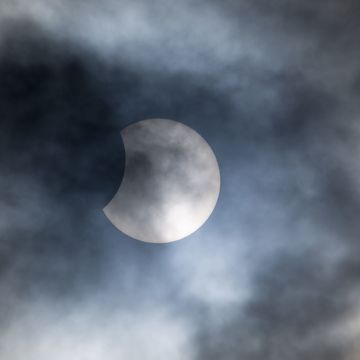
(274, 89)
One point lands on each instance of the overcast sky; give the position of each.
(274, 89)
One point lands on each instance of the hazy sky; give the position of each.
(273, 87)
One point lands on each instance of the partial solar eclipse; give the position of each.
(171, 182)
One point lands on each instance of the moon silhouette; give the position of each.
(171, 182)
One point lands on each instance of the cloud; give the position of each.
(94, 333)
(272, 87)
